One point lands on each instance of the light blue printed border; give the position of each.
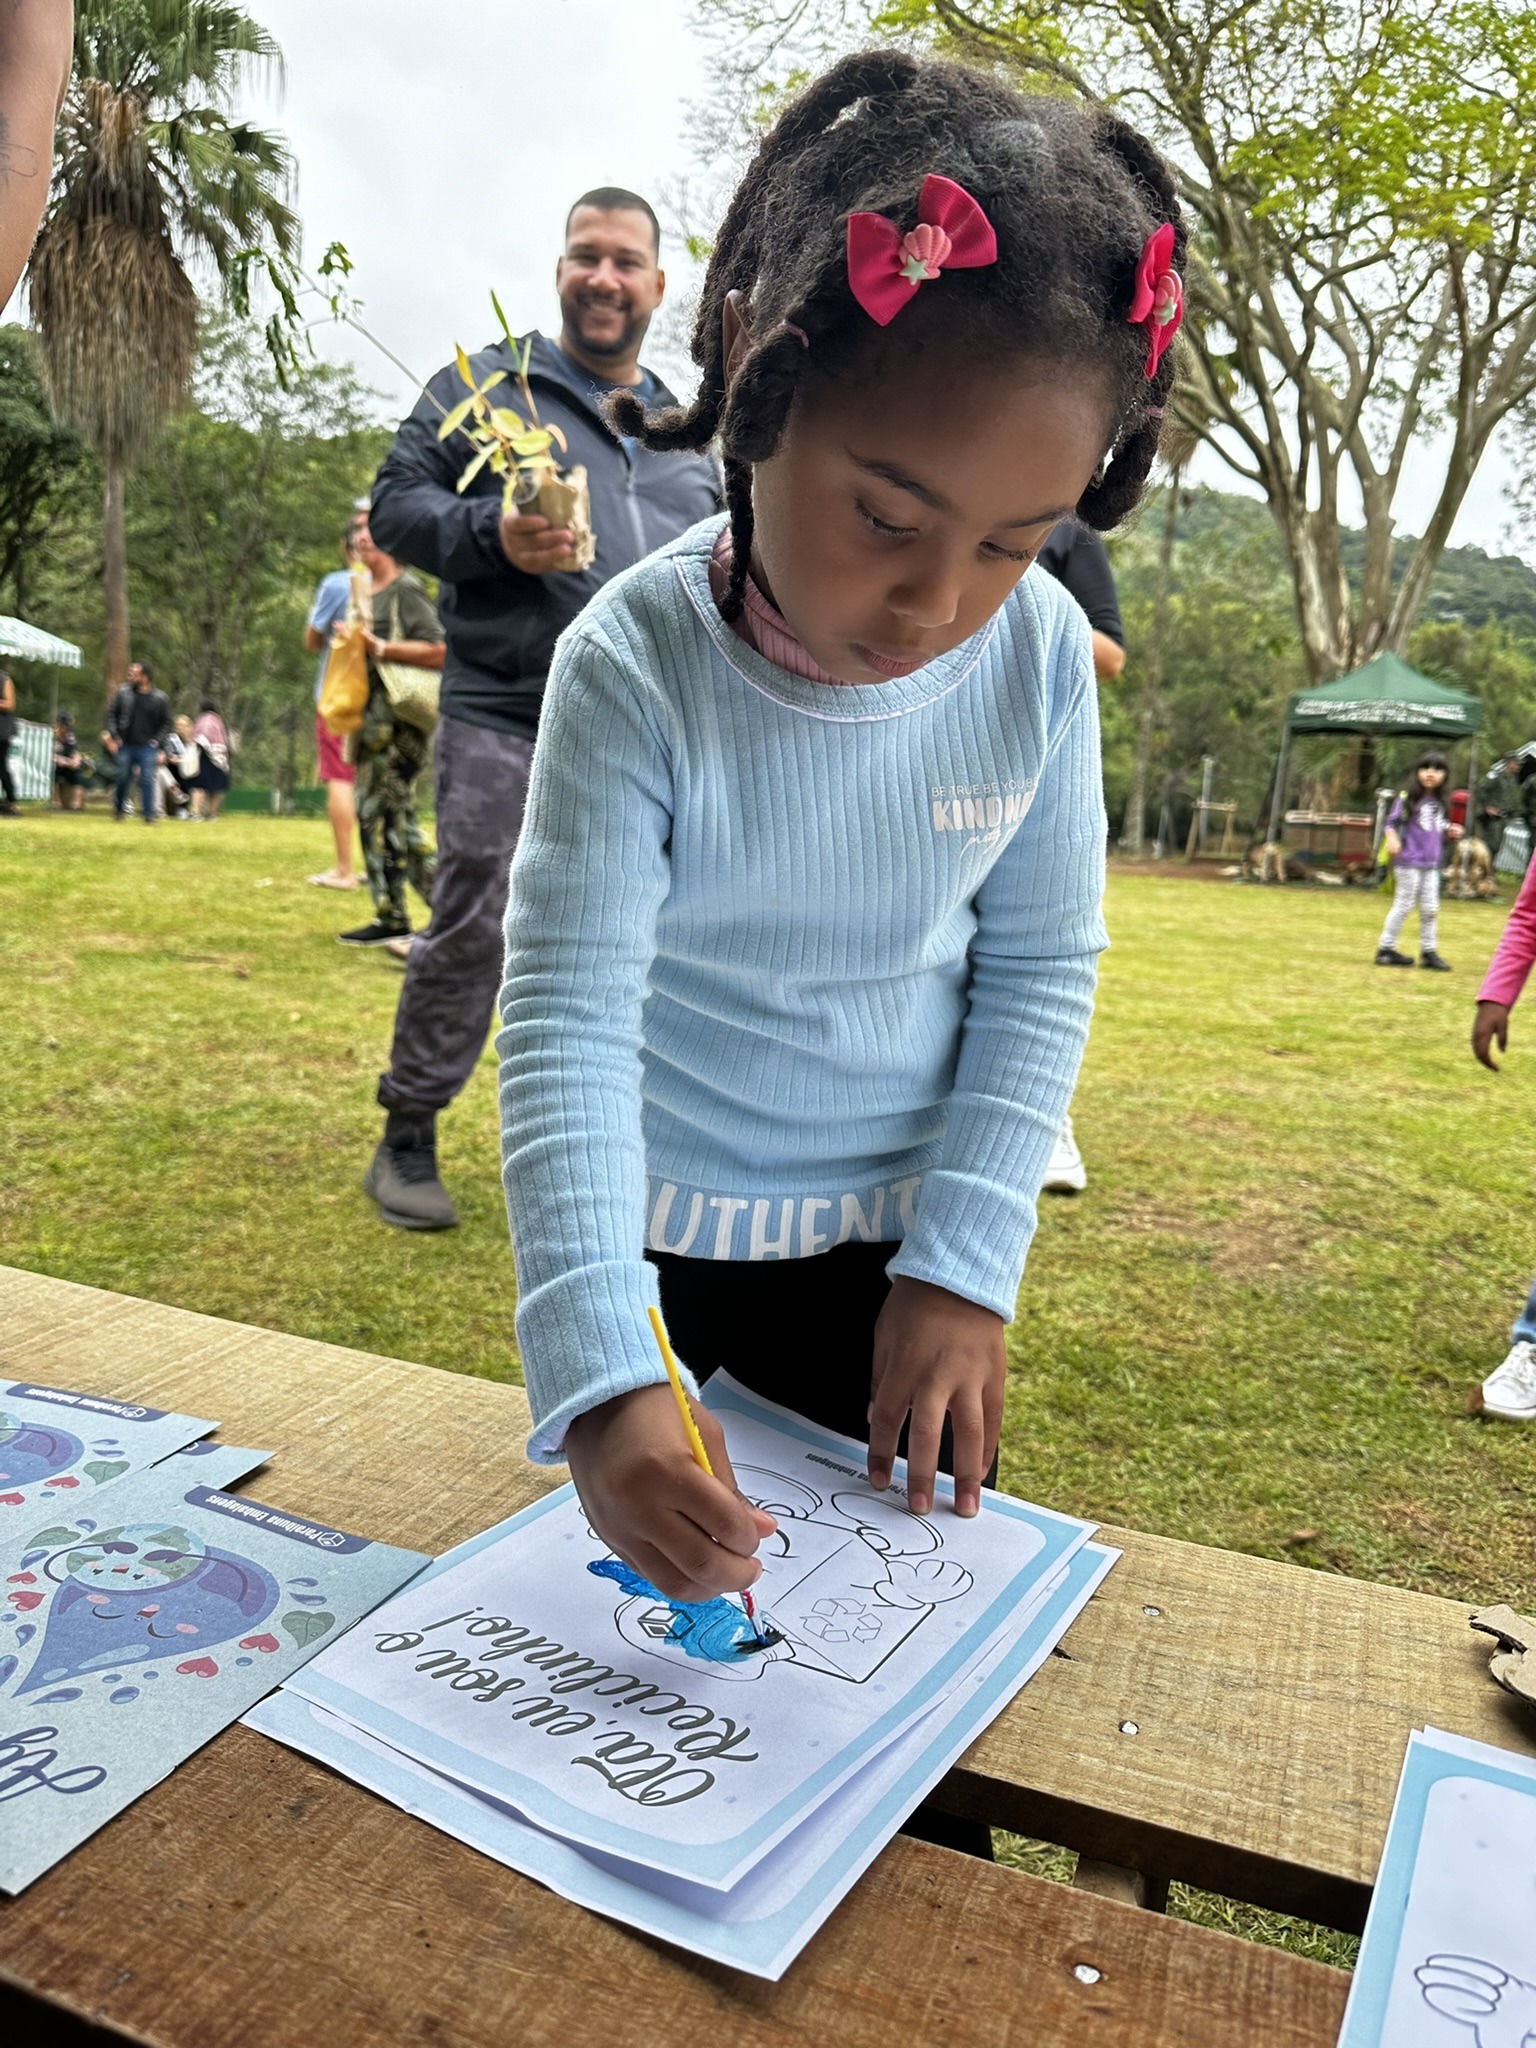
(717, 1865)
(1424, 1766)
(763, 1947)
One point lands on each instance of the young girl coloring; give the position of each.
(805, 918)
(1415, 838)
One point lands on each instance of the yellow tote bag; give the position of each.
(344, 686)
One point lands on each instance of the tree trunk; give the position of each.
(1133, 829)
(114, 574)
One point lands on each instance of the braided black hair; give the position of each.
(1071, 193)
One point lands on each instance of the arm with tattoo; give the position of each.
(35, 43)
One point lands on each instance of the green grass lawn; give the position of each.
(1307, 1229)
(1308, 1226)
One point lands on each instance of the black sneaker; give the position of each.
(1386, 957)
(1433, 960)
(372, 934)
(402, 1175)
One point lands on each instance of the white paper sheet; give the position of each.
(533, 1668)
(762, 1923)
(1449, 1954)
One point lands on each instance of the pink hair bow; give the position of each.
(1157, 303)
(885, 267)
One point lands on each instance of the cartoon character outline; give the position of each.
(1498, 2007)
(846, 1582)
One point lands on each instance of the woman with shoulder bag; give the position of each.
(405, 655)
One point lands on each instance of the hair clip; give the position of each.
(885, 266)
(1157, 302)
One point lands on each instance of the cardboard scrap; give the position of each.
(1513, 1663)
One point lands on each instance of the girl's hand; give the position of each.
(1394, 844)
(936, 1354)
(1489, 1027)
(1453, 831)
(691, 1535)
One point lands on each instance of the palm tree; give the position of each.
(155, 178)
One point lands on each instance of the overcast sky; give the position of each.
(443, 144)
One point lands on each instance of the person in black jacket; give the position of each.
(138, 724)
(503, 603)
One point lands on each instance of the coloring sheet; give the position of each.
(56, 1446)
(141, 1624)
(534, 1667)
(763, 1923)
(1449, 1954)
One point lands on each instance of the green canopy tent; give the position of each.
(1386, 698)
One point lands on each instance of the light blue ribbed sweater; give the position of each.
(787, 964)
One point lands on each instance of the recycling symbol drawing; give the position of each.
(841, 1621)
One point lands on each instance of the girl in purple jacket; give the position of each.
(1416, 833)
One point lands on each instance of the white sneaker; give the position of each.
(1510, 1391)
(1066, 1174)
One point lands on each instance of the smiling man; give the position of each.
(503, 601)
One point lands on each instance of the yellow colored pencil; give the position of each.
(674, 1379)
(690, 1427)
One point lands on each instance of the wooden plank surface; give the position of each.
(257, 1901)
(1271, 1704)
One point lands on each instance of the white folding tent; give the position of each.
(31, 750)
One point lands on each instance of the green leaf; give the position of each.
(308, 1628)
(507, 334)
(54, 1536)
(475, 467)
(103, 1469)
(452, 421)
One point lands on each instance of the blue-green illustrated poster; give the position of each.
(135, 1629)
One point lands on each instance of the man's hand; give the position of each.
(1490, 1027)
(936, 1354)
(532, 544)
(691, 1535)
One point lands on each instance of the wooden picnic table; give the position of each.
(256, 1900)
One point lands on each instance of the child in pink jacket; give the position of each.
(1510, 1390)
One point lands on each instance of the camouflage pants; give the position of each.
(390, 755)
(455, 966)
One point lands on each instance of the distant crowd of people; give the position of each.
(157, 764)
(179, 766)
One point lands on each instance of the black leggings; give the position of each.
(801, 1332)
(797, 1331)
